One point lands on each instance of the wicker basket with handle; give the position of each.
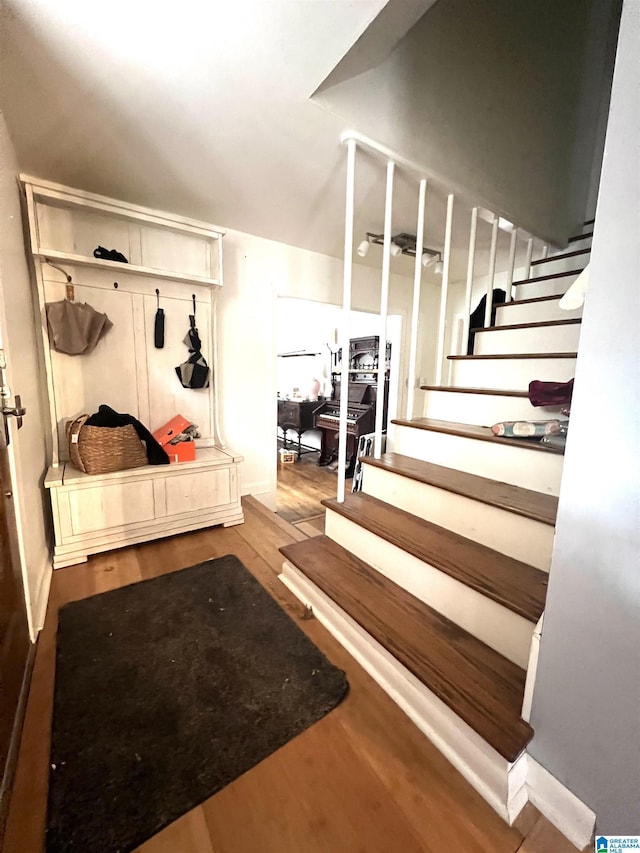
(101, 450)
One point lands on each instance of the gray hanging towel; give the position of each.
(75, 327)
(193, 373)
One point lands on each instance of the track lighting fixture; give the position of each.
(403, 244)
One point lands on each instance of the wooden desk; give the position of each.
(296, 415)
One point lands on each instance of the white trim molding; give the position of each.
(573, 818)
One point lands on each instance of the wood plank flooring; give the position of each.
(363, 779)
(302, 486)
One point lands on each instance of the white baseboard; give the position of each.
(259, 488)
(39, 609)
(575, 820)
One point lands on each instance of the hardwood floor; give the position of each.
(301, 488)
(362, 779)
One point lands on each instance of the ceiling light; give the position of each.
(401, 244)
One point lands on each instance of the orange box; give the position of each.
(183, 451)
(170, 430)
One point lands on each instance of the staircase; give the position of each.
(434, 576)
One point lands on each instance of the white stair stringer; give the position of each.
(513, 313)
(533, 469)
(515, 535)
(483, 409)
(506, 632)
(504, 340)
(500, 783)
(510, 374)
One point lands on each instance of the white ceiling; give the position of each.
(202, 109)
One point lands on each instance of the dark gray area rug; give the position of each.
(167, 690)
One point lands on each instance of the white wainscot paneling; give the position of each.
(79, 233)
(107, 375)
(169, 250)
(167, 397)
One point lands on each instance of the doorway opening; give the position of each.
(307, 341)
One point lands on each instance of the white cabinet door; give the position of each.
(198, 490)
(109, 506)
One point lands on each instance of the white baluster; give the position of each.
(415, 310)
(445, 289)
(384, 304)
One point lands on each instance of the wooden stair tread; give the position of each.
(472, 431)
(483, 688)
(515, 585)
(514, 355)
(551, 275)
(561, 257)
(537, 325)
(557, 297)
(496, 392)
(515, 499)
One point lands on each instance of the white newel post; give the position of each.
(346, 310)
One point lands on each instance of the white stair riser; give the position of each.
(511, 374)
(515, 535)
(552, 265)
(531, 469)
(536, 339)
(544, 287)
(482, 409)
(501, 784)
(534, 312)
(498, 627)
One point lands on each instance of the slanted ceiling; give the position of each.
(204, 108)
(499, 98)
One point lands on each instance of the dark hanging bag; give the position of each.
(158, 329)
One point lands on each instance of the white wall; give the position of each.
(256, 272)
(586, 704)
(27, 449)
